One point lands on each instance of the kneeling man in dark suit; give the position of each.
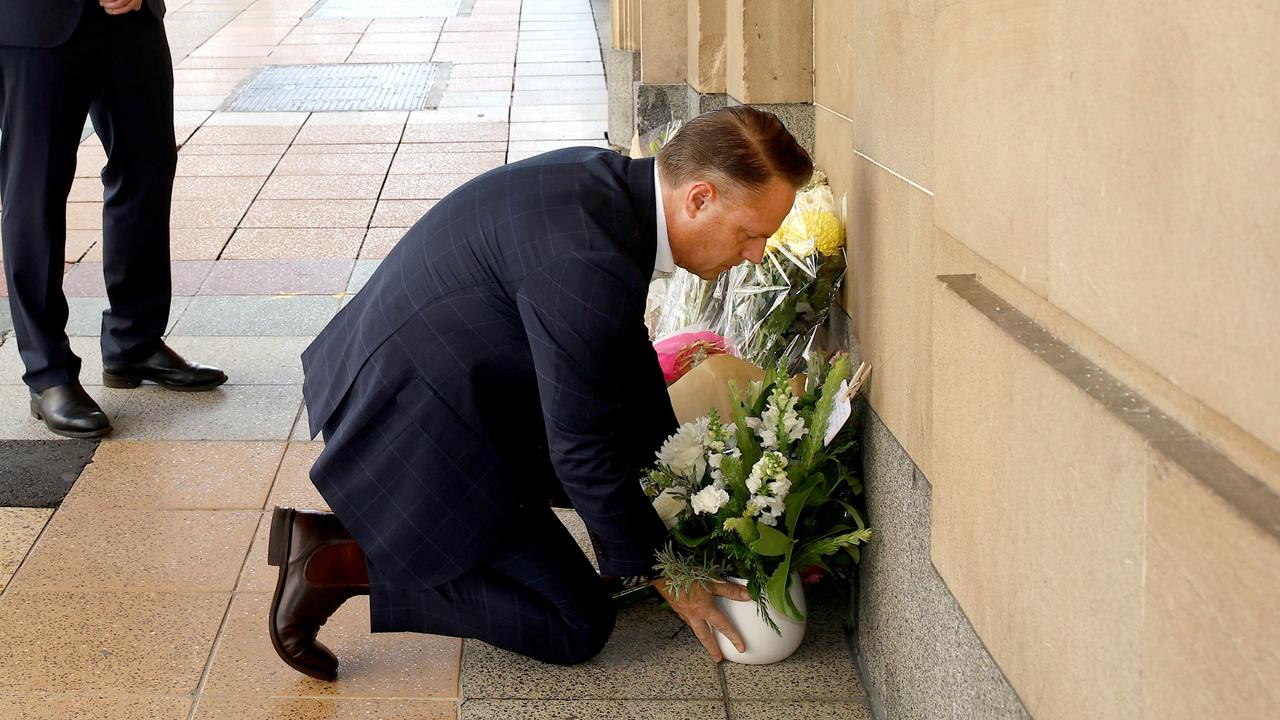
(498, 359)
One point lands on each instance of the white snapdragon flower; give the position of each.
(767, 509)
(709, 499)
(684, 452)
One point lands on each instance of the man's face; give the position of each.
(718, 226)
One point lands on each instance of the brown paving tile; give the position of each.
(800, 710)
(499, 100)
(324, 709)
(400, 213)
(309, 54)
(474, 84)
(306, 213)
(86, 280)
(204, 188)
(334, 164)
(253, 165)
(80, 242)
(379, 241)
(468, 53)
(317, 38)
(84, 216)
(425, 163)
(188, 75)
(96, 549)
(454, 132)
(483, 709)
(474, 70)
(95, 642)
(458, 148)
(307, 187)
(349, 134)
(204, 88)
(408, 36)
(101, 707)
(217, 62)
(252, 134)
(386, 665)
(343, 149)
(19, 528)
(208, 213)
(385, 25)
(257, 575)
(422, 187)
(293, 486)
(278, 277)
(293, 243)
(196, 243)
(86, 189)
(177, 475)
(240, 149)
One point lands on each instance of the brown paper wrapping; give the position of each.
(707, 386)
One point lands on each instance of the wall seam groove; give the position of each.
(893, 172)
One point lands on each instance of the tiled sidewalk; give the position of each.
(143, 595)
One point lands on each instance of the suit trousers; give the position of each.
(119, 72)
(536, 595)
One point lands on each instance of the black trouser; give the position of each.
(536, 595)
(118, 71)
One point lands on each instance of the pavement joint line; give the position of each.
(8, 586)
(198, 694)
(256, 195)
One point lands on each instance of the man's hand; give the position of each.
(698, 609)
(120, 7)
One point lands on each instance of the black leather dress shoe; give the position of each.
(69, 411)
(307, 594)
(165, 368)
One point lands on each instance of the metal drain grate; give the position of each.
(332, 9)
(333, 88)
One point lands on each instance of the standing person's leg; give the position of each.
(536, 595)
(134, 118)
(44, 96)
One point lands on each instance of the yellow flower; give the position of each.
(826, 230)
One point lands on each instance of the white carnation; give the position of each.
(684, 452)
(709, 499)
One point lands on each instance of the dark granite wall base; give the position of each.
(917, 652)
(657, 105)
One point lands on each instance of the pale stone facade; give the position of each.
(1109, 171)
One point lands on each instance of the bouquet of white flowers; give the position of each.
(767, 493)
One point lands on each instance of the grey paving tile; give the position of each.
(821, 669)
(39, 473)
(301, 428)
(87, 348)
(257, 315)
(559, 68)
(86, 279)
(556, 97)
(16, 422)
(803, 710)
(558, 130)
(559, 82)
(581, 709)
(650, 656)
(360, 275)
(271, 277)
(86, 314)
(232, 412)
(248, 360)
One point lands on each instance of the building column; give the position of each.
(769, 60)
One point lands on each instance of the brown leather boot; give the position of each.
(321, 566)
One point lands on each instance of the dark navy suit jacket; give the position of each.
(499, 353)
(48, 23)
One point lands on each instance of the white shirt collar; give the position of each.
(663, 264)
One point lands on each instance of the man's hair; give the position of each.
(739, 144)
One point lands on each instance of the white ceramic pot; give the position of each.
(764, 646)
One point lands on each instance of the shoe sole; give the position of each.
(278, 556)
(77, 434)
(128, 382)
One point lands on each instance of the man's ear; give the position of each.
(698, 197)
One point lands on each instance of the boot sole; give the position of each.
(77, 434)
(278, 556)
(128, 382)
